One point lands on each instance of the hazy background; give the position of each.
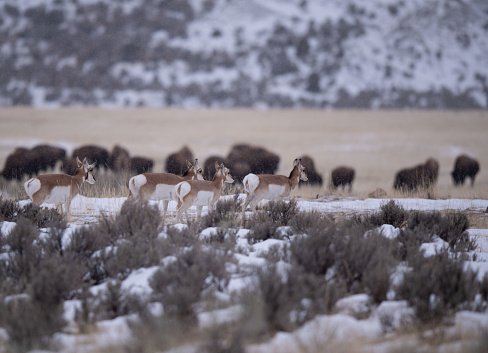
(245, 53)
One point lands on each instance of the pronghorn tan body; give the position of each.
(270, 186)
(161, 186)
(201, 192)
(59, 188)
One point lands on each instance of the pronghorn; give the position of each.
(271, 187)
(201, 192)
(161, 186)
(60, 188)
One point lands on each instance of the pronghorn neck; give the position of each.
(294, 177)
(218, 180)
(80, 176)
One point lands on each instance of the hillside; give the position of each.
(245, 53)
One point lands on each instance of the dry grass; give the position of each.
(376, 143)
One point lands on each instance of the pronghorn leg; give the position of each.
(248, 200)
(254, 202)
(165, 209)
(199, 211)
(183, 208)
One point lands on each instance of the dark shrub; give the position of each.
(281, 212)
(25, 326)
(23, 256)
(390, 213)
(453, 230)
(116, 302)
(33, 319)
(41, 217)
(409, 241)
(450, 227)
(261, 227)
(8, 210)
(176, 238)
(483, 287)
(179, 284)
(365, 263)
(136, 219)
(223, 214)
(316, 252)
(290, 297)
(133, 236)
(275, 214)
(311, 222)
(437, 286)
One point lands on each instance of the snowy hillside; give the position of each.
(245, 53)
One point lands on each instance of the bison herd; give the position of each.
(242, 159)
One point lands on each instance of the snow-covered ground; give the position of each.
(342, 329)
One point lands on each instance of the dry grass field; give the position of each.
(376, 143)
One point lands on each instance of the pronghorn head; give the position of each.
(223, 171)
(301, 169)
(194, 169)
(87, 170)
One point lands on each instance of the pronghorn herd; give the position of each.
(188, 190)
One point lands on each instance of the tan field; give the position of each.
(375, 143)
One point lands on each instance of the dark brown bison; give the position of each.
(209, 166)
(244, 159)
(119, 160)
(422, 176)
(45, 157)
(314, 178)
(69, 165)
(141, 165)
(341, 176)
(464, 167)
(93, 153)
(16, 164)
(176, 162)
(30, 162)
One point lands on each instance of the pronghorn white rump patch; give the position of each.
(275, 191)
(250, 182)
(203, 198)
(135, 184)
(32, 186)
(182, 189)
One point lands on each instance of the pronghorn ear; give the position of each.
(188, 164)
(92, 165)
(80, 163)
(195, 163)
(217, 166)
(295, 162)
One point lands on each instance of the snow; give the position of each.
(355, 318)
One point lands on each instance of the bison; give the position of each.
(119, 160)
(141, 165)
(422, 176)
(93, 153)
(45, 157)
(16, 164)
(244, 159)
(209, 166)
(30, 162)
(341, 176)
(176, 162)
(464, 167)
(314, 178)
